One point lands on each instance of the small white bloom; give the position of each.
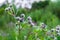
(43, 25)
(22, 15)
(17, 18)
(57, 31)
(55, 38)
(58, 27)
(21, 19)
(58, 34)
(8, 8)
(29, 18)
(52, 30)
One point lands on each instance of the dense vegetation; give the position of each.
(43, 12)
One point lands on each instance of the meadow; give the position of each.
(41, 22)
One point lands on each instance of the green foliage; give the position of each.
(46, 12)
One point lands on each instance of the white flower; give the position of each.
(55, 38)
(52, 30)
(43, 25)
(7, 9)
(29, 18)
(58, 27)
(22, 15)
(57, 31)
(58, 34)
(17, 18)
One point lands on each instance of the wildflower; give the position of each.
(17, 18)
(21, 19)
(7, 9)
(43, 25)
(22, 15)
(29, 18)
(58, 27)
(52, 30)
(58, 34)
(30, 21)
(57, 31)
